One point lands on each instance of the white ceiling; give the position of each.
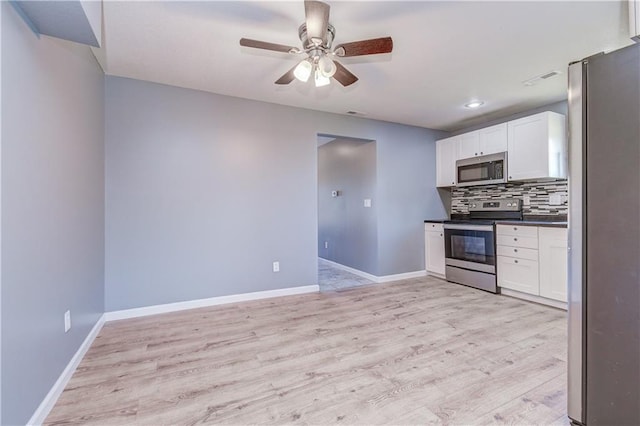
(445, 53)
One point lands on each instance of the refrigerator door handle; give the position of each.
(575, 250)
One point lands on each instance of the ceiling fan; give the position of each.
(317, 35)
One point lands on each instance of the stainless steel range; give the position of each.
(470, 249)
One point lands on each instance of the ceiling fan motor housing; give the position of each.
(310, 44)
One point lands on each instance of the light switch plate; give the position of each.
(367, 202)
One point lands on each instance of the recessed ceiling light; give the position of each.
(474, 104)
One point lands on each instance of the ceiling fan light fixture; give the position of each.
(327, 67)
(303, 71)
(320, 79)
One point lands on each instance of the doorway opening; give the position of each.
(347, 216)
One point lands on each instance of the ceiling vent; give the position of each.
(537, 79)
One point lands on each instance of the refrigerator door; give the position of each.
(612, 239)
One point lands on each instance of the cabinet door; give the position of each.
(493, 139)
(518, 274)
(434, 248)
(528, 141)
(553, 263)
(469, 145)
(446, 156)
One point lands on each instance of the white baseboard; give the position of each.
(50, 400)
(354, 271)
(376, 278)
(202, 303)
(533, 298)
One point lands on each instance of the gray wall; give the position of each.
(350, 229)
(204, 192)
(52, 209)
(407, 196)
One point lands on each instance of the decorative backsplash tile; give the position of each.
(538, 193)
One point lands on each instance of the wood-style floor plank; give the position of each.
(418, 351)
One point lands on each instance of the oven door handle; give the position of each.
(469, 227)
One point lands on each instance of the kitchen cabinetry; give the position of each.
(537, 147)
(446, 156)
(532, 261)
(434, 249)
(517, 262)
(553, 263)
(490, 140)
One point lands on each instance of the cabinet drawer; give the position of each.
(518, 274)
(518, 230)
(518, 252)
(518, 241)
(436, 227)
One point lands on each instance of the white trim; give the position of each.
(212, 301)
(352, 270)
(375, 278)
(50, 400)
(533, 298)
(404, 276)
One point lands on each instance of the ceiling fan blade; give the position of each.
(365, 47)
(343, 75)
(317, 19)
(247, 42)
(288, 77)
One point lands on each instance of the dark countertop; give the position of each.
(545, 223)
(434, 220)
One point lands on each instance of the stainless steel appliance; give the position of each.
(470, 249)
(482, 170)
(604, 239)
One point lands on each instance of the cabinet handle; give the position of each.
(441, 235)
(453, 183)
(515, 229)
(516, 261)
(515, 250)
(481, 152)
(476, 153)
(515, 239)
(510, 177)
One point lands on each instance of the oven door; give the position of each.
(470, 247)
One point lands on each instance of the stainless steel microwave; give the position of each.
(482, 170)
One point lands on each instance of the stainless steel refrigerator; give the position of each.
(604, 239)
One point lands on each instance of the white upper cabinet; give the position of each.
(446, 156)
(493, 139)
(469, 145)
(490, 140)
(537, 147)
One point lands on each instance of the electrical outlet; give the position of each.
(367, 202)
(276, 266)
(67, 321)
(326, 244)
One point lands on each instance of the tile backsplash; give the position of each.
(538, 193)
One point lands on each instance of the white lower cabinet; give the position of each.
(553, 263)
(434, 249)
(532, 261)
(518, 274)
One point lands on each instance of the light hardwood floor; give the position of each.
(419, 351)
